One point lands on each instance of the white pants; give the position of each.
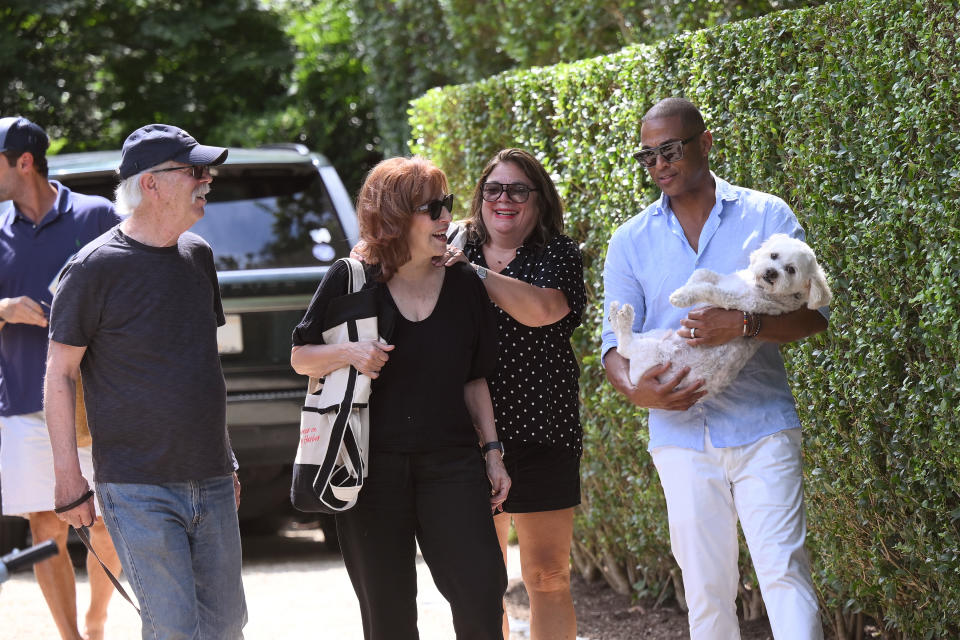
(26, 464)
(762, 483)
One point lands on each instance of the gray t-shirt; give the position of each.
(153, 386)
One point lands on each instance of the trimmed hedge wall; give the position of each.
(849, 112)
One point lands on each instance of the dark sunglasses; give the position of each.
(436, 207)
(517, 191)
(671, 152)
(197, 171)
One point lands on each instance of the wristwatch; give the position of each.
(481, 271)
(493, 445)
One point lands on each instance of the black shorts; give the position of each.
(544, 478)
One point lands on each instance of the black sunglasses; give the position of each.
(436, 207)
(517, 191)
(671, 152)
(197, 171)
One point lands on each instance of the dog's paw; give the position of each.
(682, 297)
(621, 319)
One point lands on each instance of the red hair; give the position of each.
(386, 205)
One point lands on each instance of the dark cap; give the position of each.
(157, 143)
(19, 134)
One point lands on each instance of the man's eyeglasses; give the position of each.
(517, 191)
(197, 171)
(671, 152)
(436, 207)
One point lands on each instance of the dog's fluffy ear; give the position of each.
(820, 295)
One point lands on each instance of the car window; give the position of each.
(271, 217)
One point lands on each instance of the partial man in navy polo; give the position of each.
(42, 225)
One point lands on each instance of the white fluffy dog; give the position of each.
(783, 275)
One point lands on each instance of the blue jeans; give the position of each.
(179, 544)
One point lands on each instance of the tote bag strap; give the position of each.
(357, 278)
(341, 436)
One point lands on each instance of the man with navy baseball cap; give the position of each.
(19, 134)
(137, 312)
(154, 144)
(41, 227)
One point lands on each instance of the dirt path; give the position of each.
(296, 588)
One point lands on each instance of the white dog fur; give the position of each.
(783, 275)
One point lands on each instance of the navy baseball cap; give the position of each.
(157, 143)
(19, 134)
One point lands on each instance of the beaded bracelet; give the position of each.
(746, 323)
(756, 331)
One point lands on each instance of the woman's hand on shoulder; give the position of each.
(450, 257)
(368, 357)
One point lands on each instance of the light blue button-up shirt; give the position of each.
(649, 257)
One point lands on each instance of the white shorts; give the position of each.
(26, 465)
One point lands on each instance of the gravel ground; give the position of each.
(295, 589)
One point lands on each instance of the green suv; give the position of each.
(277, 217)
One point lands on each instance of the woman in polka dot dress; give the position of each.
(534, 276)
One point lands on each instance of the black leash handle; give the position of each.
(76, 503)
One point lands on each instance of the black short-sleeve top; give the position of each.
(535, 387)
(416, 403)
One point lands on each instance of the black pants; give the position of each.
(441, 501)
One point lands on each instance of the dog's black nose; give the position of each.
(770, 275)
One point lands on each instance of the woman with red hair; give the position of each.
(429, 483)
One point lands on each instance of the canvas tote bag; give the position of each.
(331, 461)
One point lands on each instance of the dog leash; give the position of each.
(84, 536)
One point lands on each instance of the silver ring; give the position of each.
(693, 332)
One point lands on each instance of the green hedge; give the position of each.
(850, 112)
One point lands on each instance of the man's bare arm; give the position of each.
(715, 326)
(59, 393)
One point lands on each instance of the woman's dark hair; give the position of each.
(549, 207)
(386, 204)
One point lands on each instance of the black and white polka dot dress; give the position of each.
(535, 390)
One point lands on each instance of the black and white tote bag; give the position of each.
(331, 461)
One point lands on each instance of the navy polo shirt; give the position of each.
(31, 259)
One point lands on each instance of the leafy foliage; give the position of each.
(411, 46)
(91, 71)
(327, 104)
(847, 111)
(336, 75)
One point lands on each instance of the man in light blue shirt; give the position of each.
(735, 455)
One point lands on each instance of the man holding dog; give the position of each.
(736, 455)
(42, 225)
(137, 311)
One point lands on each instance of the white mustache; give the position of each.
(201, 191)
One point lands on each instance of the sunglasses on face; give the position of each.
(435, 207)
(196, 171)
(517, 191)
(671, 152)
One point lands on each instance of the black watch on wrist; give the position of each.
(493, 445)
